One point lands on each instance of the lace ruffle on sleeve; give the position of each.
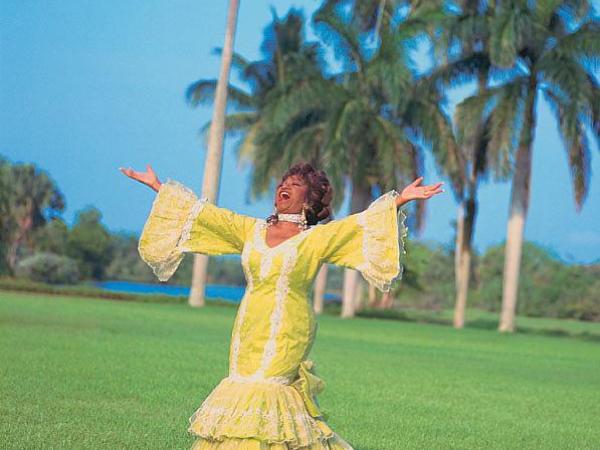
(372, 241)
(180, 222)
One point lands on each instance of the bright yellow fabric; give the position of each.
(175, 226)
(371, 241)
(268, 400)
(335, 442)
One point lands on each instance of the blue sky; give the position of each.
(88, 86)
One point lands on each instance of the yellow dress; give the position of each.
(268, 399)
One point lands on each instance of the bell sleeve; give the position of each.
(180, 222)
(372, 241)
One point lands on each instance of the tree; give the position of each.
(461, 43)
(89, 243)
(212, 166)
(287, 61)
(369, 124)
(548, 48)
(28, 200)
(6, 221)
(52, 237)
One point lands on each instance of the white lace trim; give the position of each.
(281, 291)
(255, 378)
(189, 223)
(245, 256)
(209, 412)
(212, 417)
(370, 249)
(261, 245)
(289, 252)
(165, 268)
(268, 253)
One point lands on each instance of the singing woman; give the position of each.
(268, 400)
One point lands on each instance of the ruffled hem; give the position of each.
(383, 256)
(168, 226)
(333, 443)
(275, 415)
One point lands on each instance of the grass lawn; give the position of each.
(80, 373)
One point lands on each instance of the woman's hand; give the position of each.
(415, 192)
(148, 178)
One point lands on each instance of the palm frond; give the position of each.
(342, 36)
(234, 123)
(470, 113)
(461, 71)
(544, 10)
(245, 150)
(505, 126)
(583, 43)
(575, 142)
(238, 62)
(203, 92)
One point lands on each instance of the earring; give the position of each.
(272, 217)
(303, 225)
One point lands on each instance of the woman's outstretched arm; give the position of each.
(415, 192)
(179, 222)
(149, 178)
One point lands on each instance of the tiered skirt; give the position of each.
(264, 415)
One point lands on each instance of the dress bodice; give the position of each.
(294, 257)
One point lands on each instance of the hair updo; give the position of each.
(318, 195)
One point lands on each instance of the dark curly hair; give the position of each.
(318, 195)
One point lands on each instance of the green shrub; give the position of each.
(48, 268)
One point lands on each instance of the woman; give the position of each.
(268, 399)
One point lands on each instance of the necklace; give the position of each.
(296, 218)
(299, 219)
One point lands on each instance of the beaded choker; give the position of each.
(296, 218)
(299, 219)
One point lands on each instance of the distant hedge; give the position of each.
(47, 267)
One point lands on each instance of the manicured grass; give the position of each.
(476, 318)
(80, 373)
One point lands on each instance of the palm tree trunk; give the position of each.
(466, 224)
(24, 225)
(359, 291)
(462, 287)
(348, 293)
(212, 166)
(372, 296)
(11, 256)
(361, 197)
(320, 285)
(460, 219)
(519, 204)
(387, 300)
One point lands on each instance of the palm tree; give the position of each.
(366, 15)
(469, 27)
(368, 124)
(30, 198)
(288, 60)
(548, 48)
(212, 166)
